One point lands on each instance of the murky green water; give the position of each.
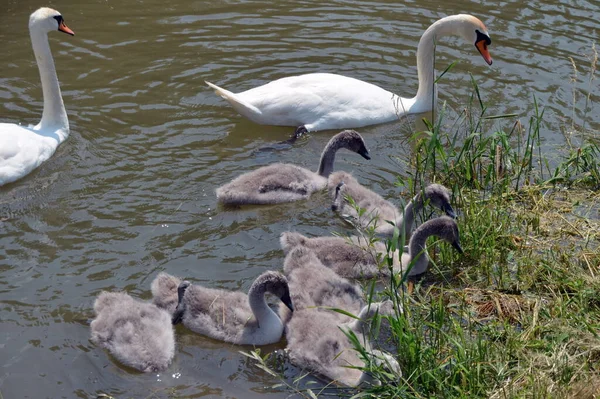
(131, 192)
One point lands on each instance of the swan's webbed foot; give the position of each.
(286, 144)
(299, 132)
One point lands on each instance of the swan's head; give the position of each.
(353, 141)
(274, 283)
(47, 20)
(439, 196)
(474, 31)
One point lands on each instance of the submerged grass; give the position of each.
(519, 314)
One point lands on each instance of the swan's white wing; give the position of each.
(22, 150)
(321, 101)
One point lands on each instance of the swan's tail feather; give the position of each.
(241, 106)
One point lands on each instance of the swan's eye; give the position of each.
(482, 36)
(61, 25)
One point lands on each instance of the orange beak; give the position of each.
(64, 28)
(482, 47)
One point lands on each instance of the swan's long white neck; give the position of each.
(448, 26)
(54, 115)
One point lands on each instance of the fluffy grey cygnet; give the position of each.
(354, 258)
(379, 211)
(314, 285)
(316, 342)
(281, 182)
(349, 258)
(313, 332)
(229, 316)
(138, 334)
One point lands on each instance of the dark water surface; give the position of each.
(131, 192)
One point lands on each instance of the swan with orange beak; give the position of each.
(320, 101)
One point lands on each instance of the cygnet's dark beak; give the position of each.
(337, 200)
(457, 246)
(449, 211)
(180, 309)
(287, 301)
(364, 153)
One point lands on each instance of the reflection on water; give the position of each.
(131, 192)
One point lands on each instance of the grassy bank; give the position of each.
(519, 314)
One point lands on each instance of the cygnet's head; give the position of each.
(447, 229)
(439, 196)
(388, 362)
(353, 141)
(274, 283)
(48, 20)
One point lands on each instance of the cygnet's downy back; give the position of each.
(316, 342)
(312, 284)
(379, 211)
(352, 257)
(138, 334)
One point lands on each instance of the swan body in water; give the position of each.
(320, 101)
(22, 149)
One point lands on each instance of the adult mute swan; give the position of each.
(319, 101)
(22, 149)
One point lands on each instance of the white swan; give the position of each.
(22, 149)
(320, 101)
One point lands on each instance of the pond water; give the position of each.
(131, 192)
